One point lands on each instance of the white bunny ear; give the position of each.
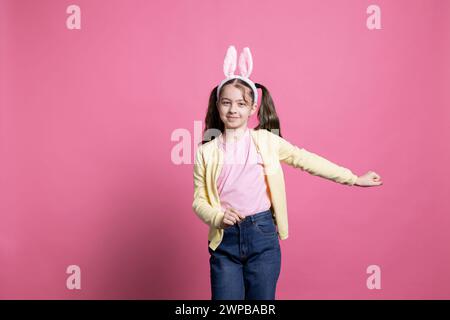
(246, 63)
(229, 63)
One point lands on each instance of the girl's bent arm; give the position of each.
(207, 213)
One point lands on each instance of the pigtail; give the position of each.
(212, 119)
(267, 115)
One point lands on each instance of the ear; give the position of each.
(253, 109)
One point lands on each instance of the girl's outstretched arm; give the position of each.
(315, 164)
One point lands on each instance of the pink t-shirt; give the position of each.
(242, 183)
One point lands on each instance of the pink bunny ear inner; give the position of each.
(245, 63)
(229, 63)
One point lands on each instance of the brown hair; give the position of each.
(267, 116)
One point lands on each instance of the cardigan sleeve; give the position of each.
(313, 163)
(201, 206)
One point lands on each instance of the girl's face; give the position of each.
(233, 110)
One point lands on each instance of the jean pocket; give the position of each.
(266, 226)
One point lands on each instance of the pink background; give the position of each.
(86, 117)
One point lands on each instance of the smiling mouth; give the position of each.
(233, 117)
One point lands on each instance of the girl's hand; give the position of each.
(369, 179)
(230, 217)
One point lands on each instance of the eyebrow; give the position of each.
(230, 99)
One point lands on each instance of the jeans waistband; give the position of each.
(257, 216)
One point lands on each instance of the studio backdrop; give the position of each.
(102, 105)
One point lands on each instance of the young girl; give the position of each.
(239, 188)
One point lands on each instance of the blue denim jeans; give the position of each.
(246, 264)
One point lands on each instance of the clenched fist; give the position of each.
(369, 179)
(230, 217)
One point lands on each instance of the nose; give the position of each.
(233, 108)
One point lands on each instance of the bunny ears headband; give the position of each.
(245, 68)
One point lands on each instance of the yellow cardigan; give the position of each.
(273, 149)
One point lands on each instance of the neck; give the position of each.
(233, 135)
